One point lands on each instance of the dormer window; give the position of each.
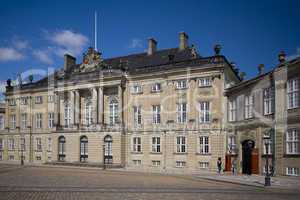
(136, 89)
(24, 101)
(205, 82)
(38, 99)
(171, 57)
(156, 87)
(12, 102)
(181, 84)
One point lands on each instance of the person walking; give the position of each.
(219, 165)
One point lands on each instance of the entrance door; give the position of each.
(254, 161)
(248, 146)
(228, 163)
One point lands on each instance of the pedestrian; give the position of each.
(219, 164)
(234, 167)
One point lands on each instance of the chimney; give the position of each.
(281, 56)
(261, 69)
(69, 61)
(151, 46)
(183, 40)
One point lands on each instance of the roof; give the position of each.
(138, 63)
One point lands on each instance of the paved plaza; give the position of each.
(44, 182)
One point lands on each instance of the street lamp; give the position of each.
(267, 142)
(104, 157)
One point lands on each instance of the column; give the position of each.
(100, 105)
(56, 109)
(94, 104)
(120, 105)
(77, 107)
(72, 104)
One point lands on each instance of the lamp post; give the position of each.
(103, 156)
(267, 142)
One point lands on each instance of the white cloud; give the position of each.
(20, 44)
(135, 43)
(296, 55)
(67, 41)
(43, 56)
(10, 54)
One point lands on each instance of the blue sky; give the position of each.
(35, 34)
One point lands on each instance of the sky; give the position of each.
(34, 35)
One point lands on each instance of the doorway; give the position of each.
(108, 157)
(248, 146)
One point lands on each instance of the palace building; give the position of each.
(162, 110)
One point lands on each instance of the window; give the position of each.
(108, 149)
(181, 113)
(38, 158)
(137, 144)
(156, 87)
(11, 144)
(1, 122)
(13, 121)
(88, 113)
(204, 112)
(181, 84)
(38, 144)
(113, 112)
(1, 144)
(50, 98)
(231, 143)
(204, 82)
(293, 142)
(51, 120)
(22, 144)
(156, 144)
(11, 157)
(293, 93)
(136, 89)
(268, 95)
(180, 163)
(83, 149)
(38, 120)
(248, 107)
(137, 162)
(24, 101)
(232, 110)
(23, 120)
(269, 147)
(61, 148)
(38, 99)
(49, 148)
(156, 114)
(67, 114)
(203, 165)
(181, 144)
(137, 115)
(204, 145)
(12, 102)
(156, 163)
(292, 171)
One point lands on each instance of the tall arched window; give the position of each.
(67, 112)
(61, 148)
(108, 157)
(113, 111)
(88, 113)
(83, 149)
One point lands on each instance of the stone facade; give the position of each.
(163, 110)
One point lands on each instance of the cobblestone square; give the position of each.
(43, 182)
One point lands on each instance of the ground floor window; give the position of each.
(155, 163)
(137, 162)
(203, 165)
(61, 148)
(108, 156)
(292, 171)
(180, 163)
(83, 149)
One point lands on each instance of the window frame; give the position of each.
(204, 112)
(248, 106)
(204, 144)
(205, 82)
(156, 114)
(181, 144)
(137, 144)
(156, 144)
(293, 142)
(182, 112)
(293, 93)
(268, 100)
